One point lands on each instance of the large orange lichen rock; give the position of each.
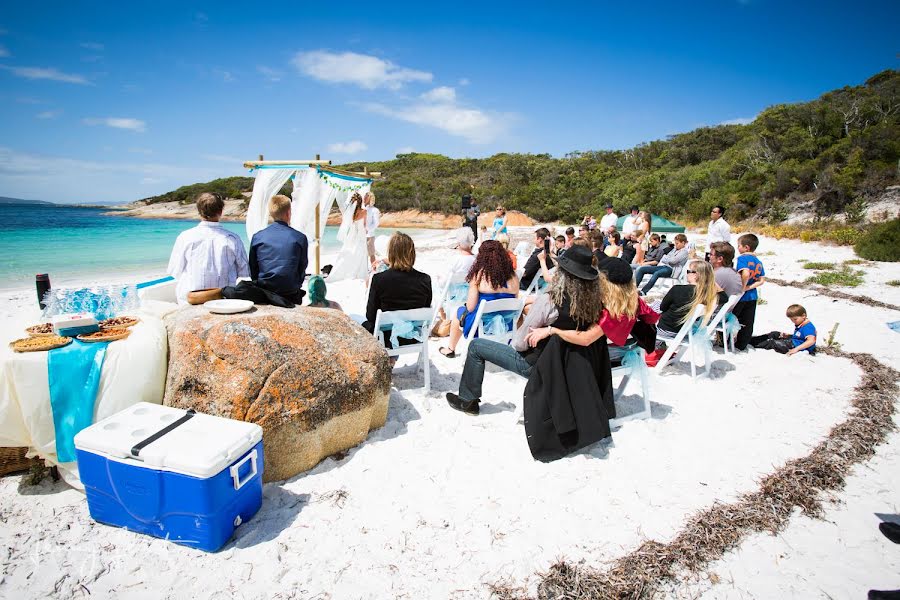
(314, 380)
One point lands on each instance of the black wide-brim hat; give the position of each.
(577, 261)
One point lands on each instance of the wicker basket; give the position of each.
(12, 460)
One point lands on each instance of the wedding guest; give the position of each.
(504, 241)
(401, 287)
(718, 229)
(317, 291)
(570, 236)
(721, 257)
(680, 302)
(279, 254)
(373, 219)
(629, 224)
(609, 219)
(207, 256)
(669, 265)
(499, 224)
(533, 265)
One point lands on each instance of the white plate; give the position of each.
(227, 307)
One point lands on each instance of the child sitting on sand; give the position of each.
(803, 338)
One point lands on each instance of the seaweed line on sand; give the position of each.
(833, 293)
(802, 483)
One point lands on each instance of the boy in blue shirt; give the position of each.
(753, 275)
(803, 338)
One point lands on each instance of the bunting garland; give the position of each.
(342, 183)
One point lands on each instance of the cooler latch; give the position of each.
(236, 467)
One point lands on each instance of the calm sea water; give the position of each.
(75, 244)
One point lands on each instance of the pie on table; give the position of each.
(44, 329)
(105, 335)
(118, 322)
(40, 344)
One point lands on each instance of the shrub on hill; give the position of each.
(881, 242)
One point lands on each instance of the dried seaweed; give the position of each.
(800, 484)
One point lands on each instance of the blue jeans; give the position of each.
(482, 351)
(656, 271)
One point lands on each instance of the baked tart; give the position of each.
(42, 330)
(119, 322)
(40, 344)
(105, 335)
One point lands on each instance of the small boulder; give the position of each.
(313, 379)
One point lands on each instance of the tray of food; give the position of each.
(119, 322)
(40, 344)
(41, 330)
(105, 335)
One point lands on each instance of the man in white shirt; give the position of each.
(608, 219)
(208, 255)
(373, 218)
(629, 225)
(719, 230)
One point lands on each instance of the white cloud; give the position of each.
(46, 73)
(48, 114)
(464, 81)
(225, 76)
(440, 94)
(739, 121)
(353, 147)
(440, 109)
(368, 72)
(118, 123)
(3, 51)
(92, 46)
(26, 175)
(232, 160)
(269, 73)
(406, 150)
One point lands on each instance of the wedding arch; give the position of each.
(317, 187)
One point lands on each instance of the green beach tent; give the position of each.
(657, 225)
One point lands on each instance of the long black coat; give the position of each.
(568, 398)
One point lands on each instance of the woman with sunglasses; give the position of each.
(681, 300)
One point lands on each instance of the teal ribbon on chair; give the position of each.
(700, 341)
(74, 375)
(634, 360)
(456, 297)
(731, 326)
(499, 324)
(412, 330)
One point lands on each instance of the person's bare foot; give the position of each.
(201, 296)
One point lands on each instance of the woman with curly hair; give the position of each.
(491, 277)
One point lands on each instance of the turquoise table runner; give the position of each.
(74, 375)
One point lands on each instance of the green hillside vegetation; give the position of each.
(839, 151)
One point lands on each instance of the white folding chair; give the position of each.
(441, 299)
(420, 318)
(627, 372)
(718, 321)
(484, 315)
(537, 286)
(685, 336)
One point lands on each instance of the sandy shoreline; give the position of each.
(438, 504)
(235, 213)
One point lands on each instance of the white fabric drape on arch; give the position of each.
(267, 184)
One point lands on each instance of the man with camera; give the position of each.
(533, 264)
(470, 213)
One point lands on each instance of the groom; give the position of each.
(373, 218)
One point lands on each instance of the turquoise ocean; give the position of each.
(79, 244)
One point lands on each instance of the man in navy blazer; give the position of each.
(278, 254)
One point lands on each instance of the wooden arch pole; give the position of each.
(318, 229)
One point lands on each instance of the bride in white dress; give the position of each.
(353, 261)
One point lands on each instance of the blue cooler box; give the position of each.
(183, 476)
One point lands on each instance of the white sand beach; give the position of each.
(438, 504)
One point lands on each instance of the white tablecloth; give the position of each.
(134, 371)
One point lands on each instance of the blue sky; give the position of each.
(120, 101)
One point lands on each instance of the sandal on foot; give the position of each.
(447, 352)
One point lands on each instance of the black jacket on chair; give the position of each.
(568, 399)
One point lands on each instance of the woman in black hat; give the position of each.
(572, 302)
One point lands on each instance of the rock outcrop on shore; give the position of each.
(314, 380)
